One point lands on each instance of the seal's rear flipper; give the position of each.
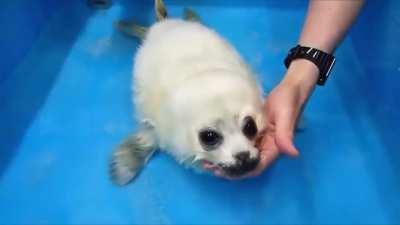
(131, 28)
(190, 15)
(131, 156)
(160, 10)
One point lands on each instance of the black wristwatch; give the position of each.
(322, 60)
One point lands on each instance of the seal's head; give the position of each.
(215, 119)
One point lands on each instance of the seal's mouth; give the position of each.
(237, 169)
(240, 168)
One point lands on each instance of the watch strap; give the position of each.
(322, 60)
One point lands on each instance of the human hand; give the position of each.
(282, 108)
(285, 103)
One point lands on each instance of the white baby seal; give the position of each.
(195, 98)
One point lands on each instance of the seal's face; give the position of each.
(216, 119)
(230, 144)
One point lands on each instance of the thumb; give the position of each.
(284, 139)
(285, 145)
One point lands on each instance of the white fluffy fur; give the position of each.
(186, 77)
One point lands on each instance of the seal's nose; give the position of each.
(242, 157)
(244, 164)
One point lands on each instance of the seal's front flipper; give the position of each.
(131, 28)
(131, 156)
(190, 15)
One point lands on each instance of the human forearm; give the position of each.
(326, 24)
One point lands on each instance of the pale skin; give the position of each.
(327, 22)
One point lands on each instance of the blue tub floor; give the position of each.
(68, 104)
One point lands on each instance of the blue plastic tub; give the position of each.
(65, 103)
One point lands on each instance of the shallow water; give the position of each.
(67, 103)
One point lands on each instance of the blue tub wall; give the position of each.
(22, 21)
(62, 113)
(376, 41)
(25, 80)
(374, 97)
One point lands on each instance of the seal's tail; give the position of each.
(160, 10)
(190, 15)
(132, 155)
(131, 28)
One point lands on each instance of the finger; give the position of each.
(268, 153)
(265, 162)
(284, 142)
(284, 134)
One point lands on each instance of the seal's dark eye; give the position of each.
(249, 127)
(210, 139)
